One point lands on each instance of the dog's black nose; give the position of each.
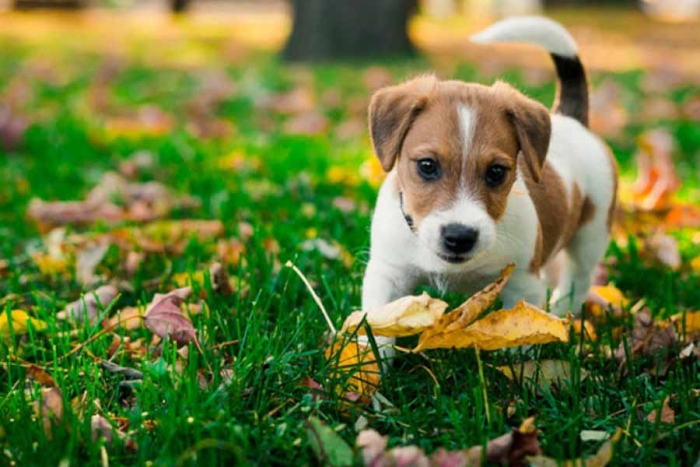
(459, 238)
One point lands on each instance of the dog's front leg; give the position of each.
(384, 283)
(524, 285)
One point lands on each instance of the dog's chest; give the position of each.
(466, 283)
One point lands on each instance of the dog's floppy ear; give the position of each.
(533, 127)
(391, 113)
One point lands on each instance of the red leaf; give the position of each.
(164, 318)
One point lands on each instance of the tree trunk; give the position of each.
(179, 6)
(336, 29)
(58, 4)
(554, 3)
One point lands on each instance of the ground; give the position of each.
(271, 163)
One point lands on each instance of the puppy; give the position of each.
(482, 176)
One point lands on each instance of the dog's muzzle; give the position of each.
(457, 241)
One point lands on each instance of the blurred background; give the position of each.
(204, 85)
(148, 145)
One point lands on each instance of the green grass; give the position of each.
(274, 329)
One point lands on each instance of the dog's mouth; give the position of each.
(453, 259)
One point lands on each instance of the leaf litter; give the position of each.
(161, 239)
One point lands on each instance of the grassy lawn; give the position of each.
(207, 117)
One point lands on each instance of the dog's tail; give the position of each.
(572, 90)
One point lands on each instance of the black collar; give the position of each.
(407, 217)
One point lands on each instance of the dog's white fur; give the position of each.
(537, 30)
(401, 259)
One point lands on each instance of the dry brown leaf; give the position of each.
(524, 324)
(691, 350)
(468, 311)
(12, 128)
(169, 236)
(88, 306)
(350, 129)
(656, 108)
(647, 337)
(86, 260)
(164, 318)
(310, 124)
(128, 318)
(231, 251)
(403, 317)
(297, 101)
(601, 458)
(664, 249)
(100, 427)
(543, 373)
(138, 201)
(355, 365)
(136, 163)
(510, 448)
(40, 375)
(219, 279)
(51, 213)
(607, 117)
(50, 409)
(345, 205)
(664, 415)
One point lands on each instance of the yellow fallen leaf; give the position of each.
(50, 265)
(167, 235)
(601, 297)
(468, 311)
(689, 321)
(524, 324)
(543, 373)
(695, 264)
(342, 176)
(354, 364)
(20, 321)
(601, 458)
(183, 279)
(403, 317)
(588, 329)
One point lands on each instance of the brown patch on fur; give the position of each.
(533, 127)
(560, 215)
(587, 212)
(537, 255)
(553, 211)
(391, 113)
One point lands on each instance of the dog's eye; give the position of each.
(495, 175)
(428, 168)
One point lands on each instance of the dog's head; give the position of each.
(455, 148)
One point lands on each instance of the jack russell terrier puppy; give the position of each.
(482, 176)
